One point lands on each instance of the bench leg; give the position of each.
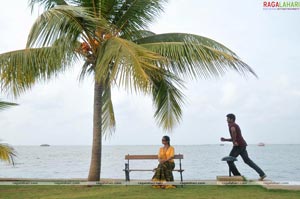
(127, 178)
(180, 167)
(181, 180)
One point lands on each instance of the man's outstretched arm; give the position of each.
(226, 139)
(233, 137)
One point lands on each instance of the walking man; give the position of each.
(239, 148)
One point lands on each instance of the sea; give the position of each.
(201, 162)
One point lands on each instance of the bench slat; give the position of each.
(140, 157)
(148, 157)
(151, 170)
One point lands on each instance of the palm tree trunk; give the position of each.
(95, 166)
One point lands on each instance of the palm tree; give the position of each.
(117, 49)
(7, 152)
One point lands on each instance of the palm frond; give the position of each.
(4, 105)
(46, 4)
(194, 56)
(7, 153)
(133, 15)
(20, 69)
(86, 70)
(68, 22)
(92, 5)
(168, 100)
(106, 8)
(108, 116)
(185, 38)
(138, 35)
(127, 64)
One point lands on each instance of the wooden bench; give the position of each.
(149, 157)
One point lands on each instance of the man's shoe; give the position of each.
(262, 177)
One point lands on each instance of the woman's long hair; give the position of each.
(167, 138)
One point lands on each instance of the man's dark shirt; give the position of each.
(239, 138)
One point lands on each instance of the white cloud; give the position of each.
(229, 94)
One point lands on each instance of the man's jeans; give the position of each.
(235, 152)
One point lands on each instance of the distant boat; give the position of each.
(44, 145)
(261, 144)
(221, 144)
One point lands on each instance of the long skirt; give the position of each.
(163, 172)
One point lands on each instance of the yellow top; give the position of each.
(166, 154)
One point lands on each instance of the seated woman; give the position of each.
(163, 172)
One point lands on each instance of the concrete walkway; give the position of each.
(268, 184)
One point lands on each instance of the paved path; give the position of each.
(268, 184)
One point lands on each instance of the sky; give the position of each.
(59, 111)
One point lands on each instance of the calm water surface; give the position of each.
(280, 162)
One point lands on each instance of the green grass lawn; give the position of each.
(143, 192)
